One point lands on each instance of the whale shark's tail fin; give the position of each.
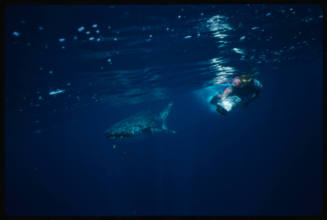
(164, 114)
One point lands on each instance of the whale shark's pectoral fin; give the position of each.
(164, 114)
(163, 117)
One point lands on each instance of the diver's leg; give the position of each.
(226, 93)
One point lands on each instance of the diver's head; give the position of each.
(247, 77)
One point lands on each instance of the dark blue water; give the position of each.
(265, 159)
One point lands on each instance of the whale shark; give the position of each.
(145, 122)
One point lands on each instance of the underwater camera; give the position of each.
(225, 106)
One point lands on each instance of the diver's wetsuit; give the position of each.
(246, 91)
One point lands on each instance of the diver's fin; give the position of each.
(164, 114)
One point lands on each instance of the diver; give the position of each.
(243, 89)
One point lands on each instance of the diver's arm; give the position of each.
(257, 86)
(227, 91)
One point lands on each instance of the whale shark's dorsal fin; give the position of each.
(164, 114)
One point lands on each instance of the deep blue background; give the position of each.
(262, 160)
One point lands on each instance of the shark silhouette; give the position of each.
(145, 122)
